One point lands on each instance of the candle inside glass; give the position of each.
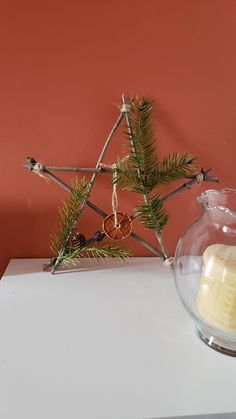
(216, 300)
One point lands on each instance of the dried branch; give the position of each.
(31, 164)
(203, 175)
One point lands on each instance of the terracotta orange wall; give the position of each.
(64, 65)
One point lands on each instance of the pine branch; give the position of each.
(68, 216)
(173, 167)
(143, 155)
(152, 214)
(127, 177)
(141, 172)
(134, 172)
(176, 166)
(73, 256)
(107, 252)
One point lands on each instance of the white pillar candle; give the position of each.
(216, 301)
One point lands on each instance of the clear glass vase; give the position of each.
(205, 270)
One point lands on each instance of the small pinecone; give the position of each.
(77, 240)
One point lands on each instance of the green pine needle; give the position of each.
(127, 176)
(141, 172)
(152, 213)
(68, 216)
(72, 257)
(143, 153)
(174, 167)
(107, 252)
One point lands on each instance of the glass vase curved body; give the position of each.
(205, 270)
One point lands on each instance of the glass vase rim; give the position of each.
(204, 200)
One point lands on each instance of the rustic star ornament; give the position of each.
(116, 225)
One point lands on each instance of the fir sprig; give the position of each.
(141, 172)
(69, 213)
(68, 217)
(143, 155)
(72, 257)
(134, 172)
(127, 177)
(152, 213)
(174, 167)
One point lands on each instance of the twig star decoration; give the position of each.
(140, 172)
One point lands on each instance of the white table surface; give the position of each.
(108, 342)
